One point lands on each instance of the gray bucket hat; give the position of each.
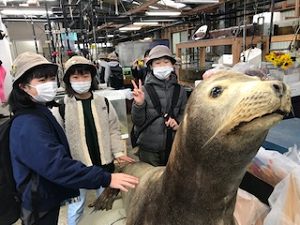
(160, 51)
(79, 60)
(26, 61)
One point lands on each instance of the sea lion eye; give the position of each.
(216, 92)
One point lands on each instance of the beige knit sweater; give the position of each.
(107, 126)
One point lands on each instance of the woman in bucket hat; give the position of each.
(39, 146)
(140, 71)
(116, 79)
(91, 125)
(152, 142)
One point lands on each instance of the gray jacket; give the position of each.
(153, 139)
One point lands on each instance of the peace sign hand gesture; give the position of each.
(138, 94)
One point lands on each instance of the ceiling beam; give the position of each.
(130, 12)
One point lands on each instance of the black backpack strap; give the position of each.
(107, 104)
(154, 98)
(147, 125)
(102, 75)
(174, 99)
(34, 197)
(135, 135)
(169, 138)
(62, 110)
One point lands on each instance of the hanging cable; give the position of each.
(116, 7)
(69, 51)
(93, 15)
(123, 6)
(34, 36)
(244, 33)
(271, 24)
(50, 31)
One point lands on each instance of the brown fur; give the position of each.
(209, 155)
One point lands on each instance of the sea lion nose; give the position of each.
(279, 88)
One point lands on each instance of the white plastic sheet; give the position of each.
(293, 153)
(285, 201)
(249, 210)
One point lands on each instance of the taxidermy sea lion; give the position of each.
(225, 122)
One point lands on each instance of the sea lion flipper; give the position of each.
(105, 200)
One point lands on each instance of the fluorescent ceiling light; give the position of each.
(163, 13)
(136, 3)
(196, 1)
(129, 28)
(145, 23)
(172, 4)
(110, 35)
(26, 11)
(153, 7)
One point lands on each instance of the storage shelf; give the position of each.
(235, 43)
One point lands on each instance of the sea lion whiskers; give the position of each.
(255, 104)
(227, 120)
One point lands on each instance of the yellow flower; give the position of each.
(287, 64)
(280, 59)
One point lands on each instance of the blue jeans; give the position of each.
(76, 209)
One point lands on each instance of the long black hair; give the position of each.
(18, 98)
(79, 69)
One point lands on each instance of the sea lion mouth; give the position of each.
(241, 124)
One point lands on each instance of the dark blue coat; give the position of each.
(40, 145)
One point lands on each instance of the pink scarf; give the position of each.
(2, 78)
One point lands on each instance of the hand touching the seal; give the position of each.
(125, 159)
(138, 94)
(123, 181)
(171, 123)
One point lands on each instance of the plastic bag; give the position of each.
(294, 154)
(271, 166)
(285, 201)
(242, 67)
(216, 68)
(249, 70)
(249, 210)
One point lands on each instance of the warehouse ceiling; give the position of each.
(121, 20)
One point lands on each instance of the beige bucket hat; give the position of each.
(113, 56)
(26, 61)
(178, 60)
(160, 51)
(79, 60)
(102, 56)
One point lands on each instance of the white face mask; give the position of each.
(162, 73)
(45, 92)
(81, 87)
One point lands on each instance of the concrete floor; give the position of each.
(63, 218)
